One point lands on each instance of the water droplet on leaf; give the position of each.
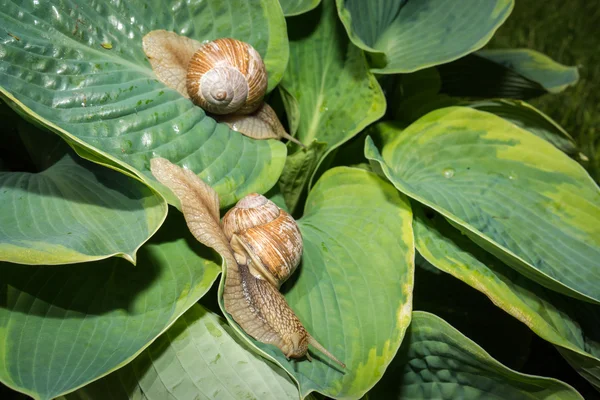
(448, 172)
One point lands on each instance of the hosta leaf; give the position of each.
(437, 362)
(506, 73)
(353, 289)
(476, 77)
(413, 104)
(531, 119)
(405, 36)
(538, 67)
(414, 95)
(66, 326)
(513, 193)
(79, 68)
(298, 170)
(571, 325)
(72, 210)
(295, 7)
(329, 78)
(197, 357)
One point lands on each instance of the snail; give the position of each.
(261, 245)
(225, 77)
(259, 230)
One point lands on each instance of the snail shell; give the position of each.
(227, 76)
(257, 228)
(249, 296)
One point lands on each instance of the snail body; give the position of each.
(261, 245)
(226, 77)
(267, 246)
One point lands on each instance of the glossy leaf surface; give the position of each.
(405, 36)
(437, 362)
(329, 82)
(513, 193)
(78, 67)
(531, 119)
(72, 210)
(66, 326)
(573, 326)
(295, 7)
(358, 312)
(199, 356)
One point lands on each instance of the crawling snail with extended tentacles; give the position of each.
(261, 245)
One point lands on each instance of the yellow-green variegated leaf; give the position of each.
(198, 357)
(78, 68)
(573, 326)
(438, 362)
(414, 95)
(536, 66)
(531, 119)
(353, 289)
(511, 192)
(64, 327)
(413, 106)
(71, 210)
(405, 36)
(296, 7)
(327, 89)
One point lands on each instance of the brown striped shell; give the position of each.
(269, 236)
(226, 76)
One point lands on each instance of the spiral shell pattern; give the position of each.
(268, 234)
(226, 76)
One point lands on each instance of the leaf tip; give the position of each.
(129, 257)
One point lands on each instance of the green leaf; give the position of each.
(292, 109)
(438, 362)
(72, 210)
(329, 80)
(108, 101)
(511, 192)
(296, 7)
(298, 170)
(358, 312)
(198, 356)
(413, 95)
(405, 36)
(64, 327)
(531, 119)
(476, 77)
(507, 73)
(571, 325)
(538, 67)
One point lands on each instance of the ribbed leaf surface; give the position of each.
(78, 67)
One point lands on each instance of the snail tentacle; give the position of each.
(261, 245)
